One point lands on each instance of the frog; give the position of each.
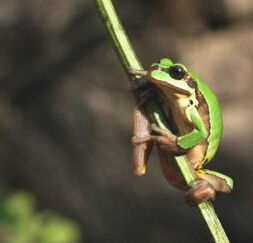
(194, 113)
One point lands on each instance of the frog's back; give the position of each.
(214, 117)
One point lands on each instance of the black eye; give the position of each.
(177, 72)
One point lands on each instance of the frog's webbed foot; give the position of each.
(165, 139)
(201, 191)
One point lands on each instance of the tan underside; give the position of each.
(196, 155)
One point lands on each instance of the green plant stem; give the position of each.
(128, 60)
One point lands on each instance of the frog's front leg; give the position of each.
(206, 187)
(165, 139)
(180, 144)
(141, 150)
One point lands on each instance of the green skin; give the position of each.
(196, 113)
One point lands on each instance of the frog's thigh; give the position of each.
(220, 182)
(170, 173)
(141, 151)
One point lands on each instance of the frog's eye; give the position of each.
(177, 72)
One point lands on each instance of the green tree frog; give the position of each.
(194, 114)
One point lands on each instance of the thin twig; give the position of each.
(129, 60)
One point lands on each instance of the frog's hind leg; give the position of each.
(170, 173)
(220, 182)
(141, 151)
(207, 185)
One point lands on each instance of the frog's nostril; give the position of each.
(156, 67)
(159, 68)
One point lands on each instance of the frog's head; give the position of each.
(167, 75)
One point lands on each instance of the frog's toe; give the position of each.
(201, 191)
(158, 130)
(138, 140)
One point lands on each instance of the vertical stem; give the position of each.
(128, 60)
(118, 36)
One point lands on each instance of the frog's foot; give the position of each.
(167, 140)
(201, 191)
(160, 131)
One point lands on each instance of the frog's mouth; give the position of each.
(159, 83)
(163, 84)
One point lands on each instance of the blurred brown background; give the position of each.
(66, 113)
